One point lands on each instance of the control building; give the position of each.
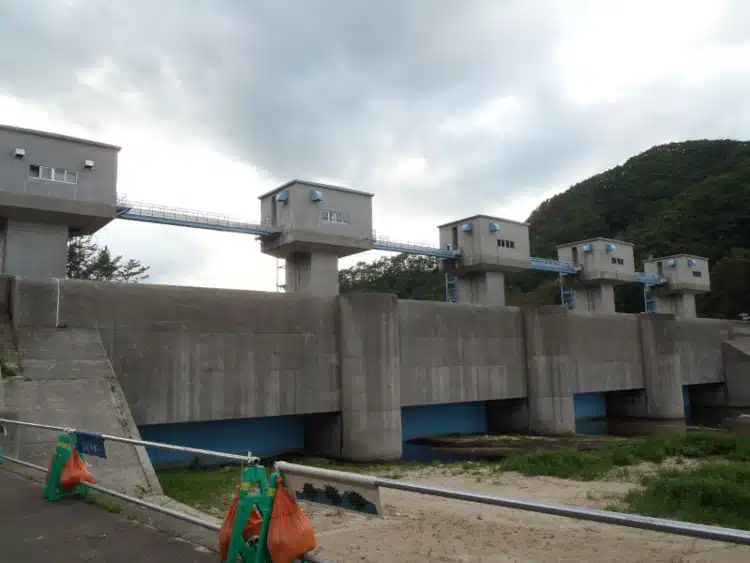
(489, 247)
(316, 225)
(605, 263)
(51, 187)
(685, 276)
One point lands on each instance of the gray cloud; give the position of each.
(335, 89)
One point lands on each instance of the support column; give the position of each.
(660, 405)
(550, 371)
(662, 369)
(370, 377)
(482, 288)
(35, 250)
(312, 273)
(679, 304)
(595, 298)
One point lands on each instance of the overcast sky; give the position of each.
(442, 108)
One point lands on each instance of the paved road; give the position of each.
(33, 530)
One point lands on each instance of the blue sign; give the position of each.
(90, 443)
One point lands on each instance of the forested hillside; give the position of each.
(692, 196)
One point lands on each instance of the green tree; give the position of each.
(88, 261)
(407, 276)
(730, 295)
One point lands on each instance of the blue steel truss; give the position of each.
(548, 265)
(384, 243)
(164, 215)
(649, 279)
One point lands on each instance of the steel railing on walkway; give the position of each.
(663, 525)
(246, 460)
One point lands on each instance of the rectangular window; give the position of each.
(335, 217)
(53, 174)
(502, 243)
(618, 261)
(697, 274)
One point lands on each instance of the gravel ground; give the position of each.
(419, 528)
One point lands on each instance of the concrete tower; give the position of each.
(51, 187)
(489, 248)
(604, 263)
(686, 276)
(317, 224)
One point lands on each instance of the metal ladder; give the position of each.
(567, 298)
(648, 300)
(451, 289)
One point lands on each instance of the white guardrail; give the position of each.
(368, 487)
(95, 438)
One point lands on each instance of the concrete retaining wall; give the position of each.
(351, 363)
(190, 354)
(452, 353)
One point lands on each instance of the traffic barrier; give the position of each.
(240, 535)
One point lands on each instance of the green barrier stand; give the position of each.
(52, 489)
(254, 491)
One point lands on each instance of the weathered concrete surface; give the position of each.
(606, 350)
(312, 273)
(551, 370)
(737, 365)
(662, 370)
(598, 298)
(482, 288)
(191, 354)
(68, 381)
(699, 349)
(70, 531)
(370, 377)
(453, 353)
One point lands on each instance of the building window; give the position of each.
(618, 261)
(506, 243)
(53, 174)
(335, 217)
(697, 274)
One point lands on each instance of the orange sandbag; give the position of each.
(290, 534)
(252, 528)
(75, 472)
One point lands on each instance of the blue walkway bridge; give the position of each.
(166, 215)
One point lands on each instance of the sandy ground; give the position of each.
(418, 528)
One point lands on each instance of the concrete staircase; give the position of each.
(67, 380)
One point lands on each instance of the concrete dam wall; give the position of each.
(355, 375)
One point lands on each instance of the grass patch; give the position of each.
(201, 488)
(590, 465)
(715, 493)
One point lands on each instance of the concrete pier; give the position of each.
(659, 405)
(482, 288)
(595, 298)
(677, 304)
(312, 273)
(550, 371)
(370, 377)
